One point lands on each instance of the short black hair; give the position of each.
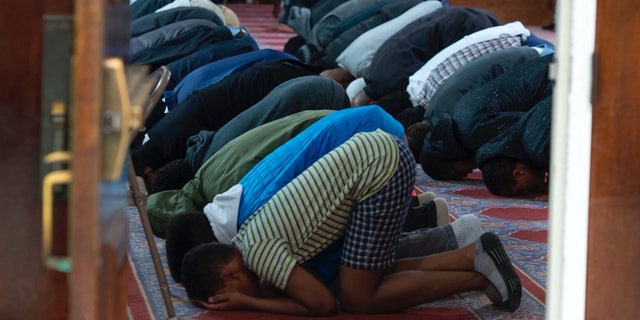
(201, 269)
(436, 168)
(497, 174)
(172, 176)
(410, 116)
(415, 137)
(138, 162)
(293, 44)
(395, 102)
(184, 232)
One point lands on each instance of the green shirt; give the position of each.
(226, 167)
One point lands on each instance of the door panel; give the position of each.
(526, 11)
(614, 211)
(89, 217)
(31, 291)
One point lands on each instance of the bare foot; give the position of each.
(341, 75)
(281, 27)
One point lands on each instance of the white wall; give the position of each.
(570, 160)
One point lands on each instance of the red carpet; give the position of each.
(520, 223)
(260, 23)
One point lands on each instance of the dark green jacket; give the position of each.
(226, 167)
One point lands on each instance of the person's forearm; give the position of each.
(284, 305)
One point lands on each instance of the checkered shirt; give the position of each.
(376, 224)
(446, 68)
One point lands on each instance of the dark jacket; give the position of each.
(156, 20)
(172, 45)
(211, 107)
(476, 73)
(323, 32)
(167, 33)
(488, 111)
(528, 141)
(408, 49)
(288, 98)
(214, 71)
(353, 29)
(210, 52)
(144, 7)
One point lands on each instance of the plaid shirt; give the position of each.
(418, 79)
(446, 68)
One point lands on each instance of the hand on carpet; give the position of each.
(281, 27)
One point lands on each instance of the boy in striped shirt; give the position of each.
(361, 191)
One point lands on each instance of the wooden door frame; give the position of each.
(97, 204)
(614, 226)
(84, 200)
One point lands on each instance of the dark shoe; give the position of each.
(422, 198)
(430, 214)
(492, 246)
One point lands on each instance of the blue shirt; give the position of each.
(292, 158)
(215, 71)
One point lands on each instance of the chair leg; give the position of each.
(139, 199)
(276, 9)
(146, 93)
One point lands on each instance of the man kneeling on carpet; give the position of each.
(427, 220)
(357, 196)
(318, 132)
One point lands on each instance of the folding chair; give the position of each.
(146, 94)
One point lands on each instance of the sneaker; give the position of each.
(422, 198)
(431, 214)
(493, 262)
(425, 196)
(422, 216)
(442, 211)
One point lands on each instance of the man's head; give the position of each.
(184, 232)
(141, 168)
(410, 116)
(172, 176)
(415, 137)
(214, 268)
(507, 177)
(396, 102)
(342, 76)
(362, 99)
(446, 170)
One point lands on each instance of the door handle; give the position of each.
(59, 263)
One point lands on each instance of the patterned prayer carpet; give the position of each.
(520, 223)
(260, 23)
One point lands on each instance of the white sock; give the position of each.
(467, 230)
(485, 265)
(492, 261)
